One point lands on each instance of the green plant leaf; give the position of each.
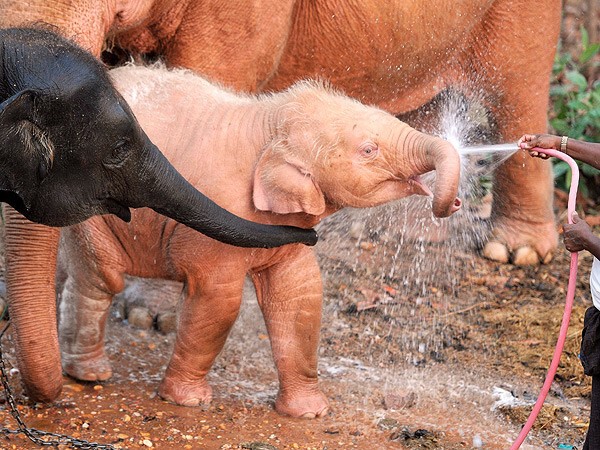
(589, 52)
(585, 37)
(560, 168)
(559, 90)
(589, 171)
(577, 79)
(577, 104)
(560, 126)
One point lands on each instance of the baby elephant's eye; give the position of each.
(369, 150)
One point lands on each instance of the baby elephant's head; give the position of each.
(330, 151)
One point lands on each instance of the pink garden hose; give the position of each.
(568, 302)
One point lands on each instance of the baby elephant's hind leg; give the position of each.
(83, 313)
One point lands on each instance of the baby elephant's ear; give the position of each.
(17, 108)
(284, 185)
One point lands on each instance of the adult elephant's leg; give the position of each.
(30, 252)
(524, 225)
(145, 299)
(290, 297)
(206, 315)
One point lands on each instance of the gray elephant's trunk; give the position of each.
(168, 193)
(433, 153)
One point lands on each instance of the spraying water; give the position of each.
(417, 258)
(497, 149)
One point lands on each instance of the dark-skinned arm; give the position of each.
(579, 236)
(587, 152)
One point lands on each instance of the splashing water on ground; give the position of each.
(403, 247)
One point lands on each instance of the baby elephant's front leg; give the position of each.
(290, 297)
(205, 319)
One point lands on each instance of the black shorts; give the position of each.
(590, 342)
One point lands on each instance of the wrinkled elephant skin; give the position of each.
(291, 158)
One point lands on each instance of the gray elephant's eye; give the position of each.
(119, 153)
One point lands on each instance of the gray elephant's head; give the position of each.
(71, 148)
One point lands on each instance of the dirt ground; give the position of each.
(424, 345)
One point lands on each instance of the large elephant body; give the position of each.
(394, 54)
(397, 55)
(291, 158)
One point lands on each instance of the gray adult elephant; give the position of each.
(394, 54)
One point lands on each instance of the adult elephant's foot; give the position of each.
(303, 404)
(88, 367)
(185, 393)
(522, 243)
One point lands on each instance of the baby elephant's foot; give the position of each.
(186, 393)
(306, 404)
(89, 367)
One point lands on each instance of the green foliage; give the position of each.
(575, 101)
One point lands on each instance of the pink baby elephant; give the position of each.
(291, 158)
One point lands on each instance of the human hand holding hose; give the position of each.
(578, 235)
(534, 142)
(583, 151)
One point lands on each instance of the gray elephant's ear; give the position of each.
(284, 185)
(17, 108)
(16, 114)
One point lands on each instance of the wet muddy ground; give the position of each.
(421, 343)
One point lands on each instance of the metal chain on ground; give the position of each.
(39, 437)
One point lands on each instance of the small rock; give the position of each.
(166, 322)
(388, 424)
(400, 400)
(257, 446)
(367, 246)
(356, 229)
(140, 317)
(426, 439)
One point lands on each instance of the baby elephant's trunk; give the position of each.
(433, 153)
